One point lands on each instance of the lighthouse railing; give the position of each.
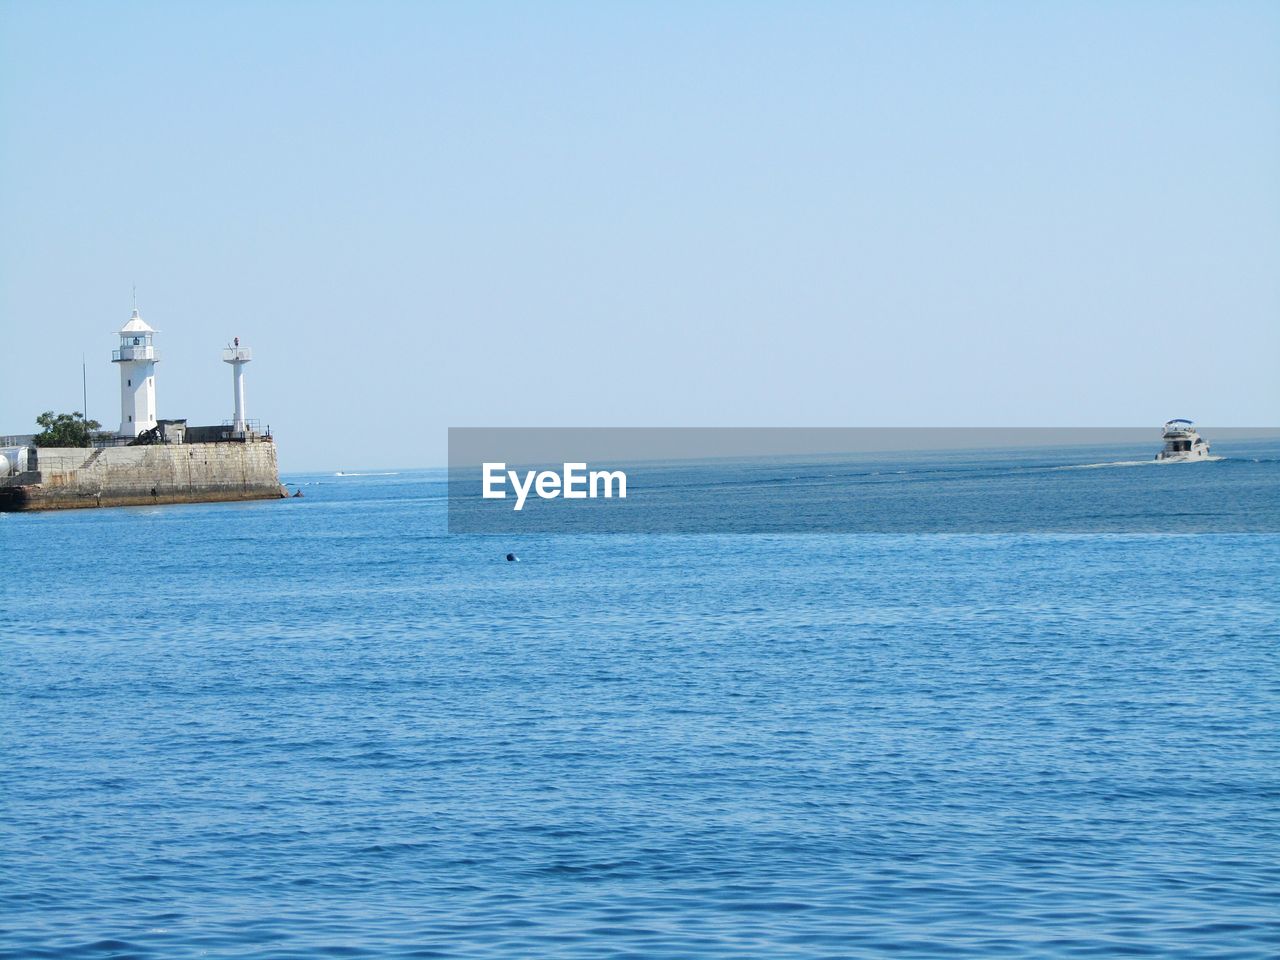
(134, 353)
(251, 427)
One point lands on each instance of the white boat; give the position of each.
(1182, 443)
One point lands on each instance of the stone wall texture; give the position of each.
(69, 477)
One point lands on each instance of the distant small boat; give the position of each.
(1183, 443)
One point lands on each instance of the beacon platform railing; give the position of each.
(134, 353)
(252, 427)
(232, 354)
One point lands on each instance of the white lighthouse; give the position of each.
(238, 356)
(137, 359)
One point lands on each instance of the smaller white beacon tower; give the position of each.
(137, 359)
(238, 356)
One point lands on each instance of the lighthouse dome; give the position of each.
(136, 325)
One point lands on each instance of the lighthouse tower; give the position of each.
(238, 356)
(137, 359)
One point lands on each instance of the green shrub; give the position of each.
(65, 429)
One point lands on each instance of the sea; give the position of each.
(327, 727)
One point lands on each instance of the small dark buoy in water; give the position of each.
(511, 557)
(299, 493)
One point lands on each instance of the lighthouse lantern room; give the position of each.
(137, 359)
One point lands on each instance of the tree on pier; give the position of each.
(65, 429)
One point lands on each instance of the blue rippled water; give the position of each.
(323, 728)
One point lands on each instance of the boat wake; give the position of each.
(1136, 463)
(389, 473)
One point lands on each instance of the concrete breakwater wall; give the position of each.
(70, 477)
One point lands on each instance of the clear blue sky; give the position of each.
(823, 214)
